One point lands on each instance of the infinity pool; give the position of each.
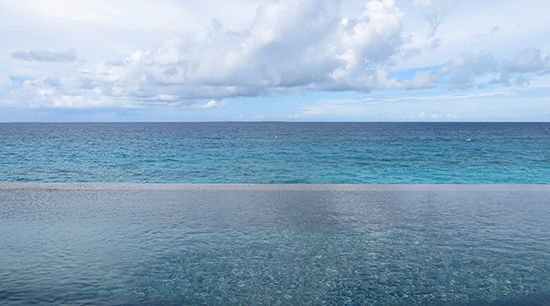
(224, 244)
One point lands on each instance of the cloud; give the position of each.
(289, 47)
(529, 61)
(372, 39)
(292, 46)
(52, 81)
(210, 104)
(432, 10)
(467, 66)
(520, 69)
(424, 79)
(421, 105)
(4, 81)
(46, 56)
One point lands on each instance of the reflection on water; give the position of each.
(321, 245)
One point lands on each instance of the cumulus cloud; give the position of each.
(520, 69)
(46, 56)
(465, 70)
(424, 79)
(529, 61)
(467, 66)
(291, 46)
(372, 39)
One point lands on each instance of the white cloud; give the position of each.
(481, 105)
(432, 10)
(211, 104)
(467, 66)
(520, 69)
(529, 61)
(183, 55)
(424, 79)
(291, 46)
(4, 81)
(370, 40)
(52, 81)
(46, 56)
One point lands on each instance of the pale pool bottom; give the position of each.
(220, 244)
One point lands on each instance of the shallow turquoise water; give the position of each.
(274, 245)
(339, 153)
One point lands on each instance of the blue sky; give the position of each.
(284, 60)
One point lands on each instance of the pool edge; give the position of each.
(276, 187)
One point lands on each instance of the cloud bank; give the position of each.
(290, 47)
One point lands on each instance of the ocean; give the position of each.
(276, 153)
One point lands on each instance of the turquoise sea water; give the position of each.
(355, 153)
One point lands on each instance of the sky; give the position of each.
(281, 60)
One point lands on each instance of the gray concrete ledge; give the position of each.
(275, 187)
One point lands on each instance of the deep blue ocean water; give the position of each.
(276, 152)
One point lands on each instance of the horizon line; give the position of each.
(273, 121)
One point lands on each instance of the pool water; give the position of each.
(118, 244)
